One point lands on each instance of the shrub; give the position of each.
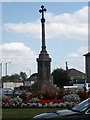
(83, 95)
(71, 97)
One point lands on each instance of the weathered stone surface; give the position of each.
(43, 62)
(44, 65)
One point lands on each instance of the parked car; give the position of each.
(80, 112)
(6, 91)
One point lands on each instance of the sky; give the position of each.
(66, 35)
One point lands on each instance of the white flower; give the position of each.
(71, 97)
(50, 104)
(34, 104)
(6, 105)
(23, 105)
(46, 105)
(60, 105)
(55, 105)
(29, 105)
(34, 100)
(40, 105)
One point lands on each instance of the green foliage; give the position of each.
(60, 77)
(11, 78)
(23, 76)
(83, 95)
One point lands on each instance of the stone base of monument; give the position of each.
(41, 87)
(49, 86)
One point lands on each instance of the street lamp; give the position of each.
(1, 84)
(0, 70)
(6, 67)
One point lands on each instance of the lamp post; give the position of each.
(1, 85)
(7, 66)
(0, 70)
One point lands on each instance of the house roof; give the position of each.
(33, 77)
(73, 72)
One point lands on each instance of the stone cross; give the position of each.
(42, 10)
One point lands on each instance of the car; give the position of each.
(80, 112)
(6, 91)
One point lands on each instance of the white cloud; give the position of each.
(76, 59)
(72, 26)
(31, 29)
(78, 53)
(20, 56)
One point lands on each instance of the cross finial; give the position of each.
(42, 10)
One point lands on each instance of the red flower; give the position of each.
(25, 101)
(6, 100)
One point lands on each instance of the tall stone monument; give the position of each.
(87, 66)
(43, 61)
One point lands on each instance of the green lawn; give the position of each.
(24, 114)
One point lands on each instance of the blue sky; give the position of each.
(66, 34)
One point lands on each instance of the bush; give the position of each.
(71, 97)
(83, 95)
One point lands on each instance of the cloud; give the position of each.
(78, 53)
(31, 29)
(20, 56)
(67, 25)
(76, 59)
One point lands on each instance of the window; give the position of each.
(88, 111)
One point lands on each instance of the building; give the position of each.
(76, 75)
(27, 82)
(12, 84)
(87, 66)
(77, 78)
(31, 80)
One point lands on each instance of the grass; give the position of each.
(24, 114)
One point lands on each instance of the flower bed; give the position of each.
(24, 101)
(71, 97)
(50, 101)
(17, 102)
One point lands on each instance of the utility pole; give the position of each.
(1, 84)
(7, 67)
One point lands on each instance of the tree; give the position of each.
(60, 77)
(11, 77)
(23, 76)
(15, 77)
